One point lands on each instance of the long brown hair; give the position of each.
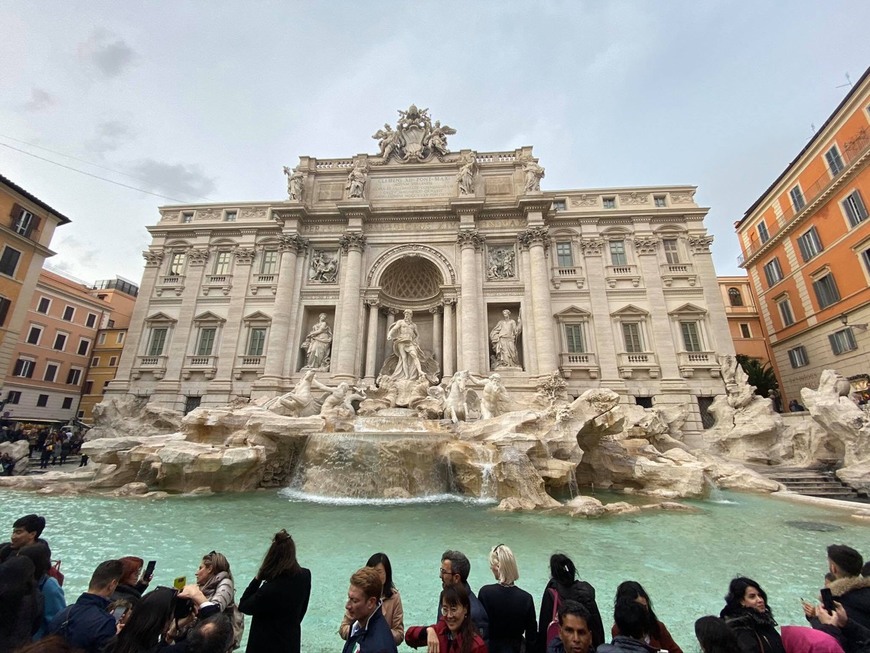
(280, 558)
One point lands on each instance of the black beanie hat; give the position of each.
(846, 558)
(33, 524)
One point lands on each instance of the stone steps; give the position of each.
(812, 481)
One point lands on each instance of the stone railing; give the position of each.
(249, 363)
(579, 362)
(631, 362)
(222, 282)
(689, 361)
(573, 273)
(264, 282)
(153, 364)
(616, 274)
(205, 364)
(169, 283)
(671, 271)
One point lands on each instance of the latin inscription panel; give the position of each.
(407, 188)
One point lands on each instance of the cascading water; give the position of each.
(714, 494)
(488, 480)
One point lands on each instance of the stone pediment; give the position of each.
(572, 312)
(688, 309)
(160, 317)
(629, 311)
(257, 316)
(208, 316)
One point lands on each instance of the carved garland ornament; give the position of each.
(399, 251)
(585, 200)
(700, 244)
(244, 255)
(592, 246)
(198, 256)
(634, 198)
(645, 245)
(153, 257)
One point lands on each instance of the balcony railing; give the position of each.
(671, 271)
(579, 361)
(251, 361)
(201, 361)
(852, 151)
(689, 361)
(614, 274)
(629, 362)
(573, 273)
(152, 361)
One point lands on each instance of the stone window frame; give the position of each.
(223, 262)
(834, 161)
(56, 365)
(231, 212)
(773, 272)
(797, 198)
(810, 244)
(576, 316)
(845, 344)
(152, 324)
(561, 242)
(745, 329)
(660, 201)
(186, 217)
(74, 375)
(797, 357)
(734, 291)
(277, 259)
(256, 320)
(87, 351)
(58, 334)
(781, 301)
(677, 251)
(854, 209)
(42, 299)
(176, 262)
(207, 320)
(40, 329)
(625, 238)
(763, 233)
(825, 287)
(71, 310)
(691, 313)
(633, 314)
(24, 367)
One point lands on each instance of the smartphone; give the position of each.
(827, 600)
(179, 582)
(119, 613)
(149, 570)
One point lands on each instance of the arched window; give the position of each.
(735, 297)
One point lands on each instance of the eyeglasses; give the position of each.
(445, 572)
(452, 610)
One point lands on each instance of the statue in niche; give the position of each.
(501, 263)
(533, 173)
(356, 181)
(300, 401)
(388, 141)
(294, 183)
(466, 175)
(404, 335)
(495, 398)
(504, 342)
(317, 345)
(437, 139)
(324, 268)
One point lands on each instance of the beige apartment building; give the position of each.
(744, 320)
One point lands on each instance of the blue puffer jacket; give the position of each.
(86, 624)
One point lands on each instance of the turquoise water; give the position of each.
(683, 560)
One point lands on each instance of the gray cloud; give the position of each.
(108, 52)
(108, 136)
(39, 99)
(181, 181)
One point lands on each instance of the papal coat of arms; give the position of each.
(415, 138)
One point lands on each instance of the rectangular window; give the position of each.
(854, 207)
(176, 264)
(672, 253)
(798, 357)
(89, 387)
(84, 345)
(34, 335)
(187, 217)
(785, 312)
(617, 252)
(631, 336)
(745, 331)
(809, 244)
(42, 401)
(835, 161)
(691, 336)
(9, 261)
(797, 198)
(269, 264)
(101, 339)
(91, 321)
(23, 223)
(113, 360)
(206, 341)
(826, 290)
(74, 376)
(158, 339)
(60, 341)
(257, 341)
(67, 403)
(574, 336)
(608, 202)
(866, 256)
(44, 305)
(564, 255)
(68, 313)
(773, 272)
(95, 361)
(763, 234)
(843, 341)
(222, 263)
(230, 216)
(24, 367)
(13, 397)
(120, 337)
(5, 304)
(559, 205)
(50, 373)
(660, 200)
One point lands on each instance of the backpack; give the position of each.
(553, 627)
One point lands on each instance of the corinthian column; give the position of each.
(348, 335)
(537, 241)
(449, 347)
(372, 342)
(469, 352)
(282, 315)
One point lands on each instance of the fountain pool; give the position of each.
(684, 560)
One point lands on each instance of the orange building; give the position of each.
(44, 383)
(806, 248)
(25, 235)
(120, 295)
(744, 320)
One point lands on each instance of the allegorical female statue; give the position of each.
(504, 341)
(317, 345)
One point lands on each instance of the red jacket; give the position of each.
(416, 636)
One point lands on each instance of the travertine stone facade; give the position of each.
(614, 287)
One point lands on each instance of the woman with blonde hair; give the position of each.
(512, 619)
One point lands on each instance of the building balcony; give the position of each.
(221, 282)
(205, 364)
(156, 365)
(169, 283)
(634, 362)
(582, 362)
(690, 361)
(573, 274)
(621, 276)
(671, 272)
(264, 282)
(256, 364)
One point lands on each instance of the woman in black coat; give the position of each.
(746, 612)
(277, 599)
(563, 581)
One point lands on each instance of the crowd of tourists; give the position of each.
(51, 446)
(120, 614)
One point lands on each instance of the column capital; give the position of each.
(470, 238)
(700, 244)
(592, 246)
(534, 236)
(153, 257)
(244, 255)
(373, 302)
(645, 245)
(293, 242)
(352, 241)
(198, 256)
(435, 310)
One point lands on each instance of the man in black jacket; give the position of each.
(87, 624)
(850, 588)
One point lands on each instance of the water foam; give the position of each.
(298, 495)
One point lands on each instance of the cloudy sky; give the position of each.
(196, 101)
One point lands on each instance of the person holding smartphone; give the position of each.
(132, 586)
